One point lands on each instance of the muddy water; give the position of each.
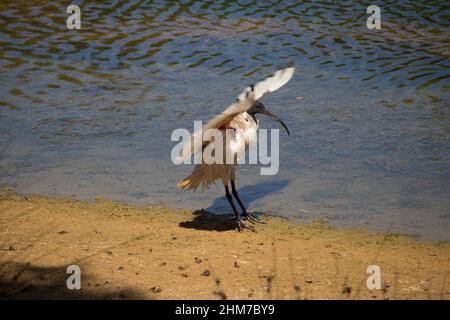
(90, 112)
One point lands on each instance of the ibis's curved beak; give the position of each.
(270, 114)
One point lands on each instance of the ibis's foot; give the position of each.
(252, 218)
(241, 226)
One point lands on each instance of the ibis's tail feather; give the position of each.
(194, 180)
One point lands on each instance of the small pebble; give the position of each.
(206, 273)
(346, 290)
(155, 289)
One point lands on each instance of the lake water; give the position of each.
(90, 112)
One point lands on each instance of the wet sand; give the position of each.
(158, 253)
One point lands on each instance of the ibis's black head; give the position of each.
(258, 107)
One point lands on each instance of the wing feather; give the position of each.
(243, 102)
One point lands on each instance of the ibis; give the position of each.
(239, 119)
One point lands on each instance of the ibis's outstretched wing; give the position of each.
(196, 142)
(269, 84)
(243, 102)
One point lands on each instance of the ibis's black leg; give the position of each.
(235, 194)
(249, 216)
(240, 224)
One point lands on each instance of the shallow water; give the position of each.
(90, 112)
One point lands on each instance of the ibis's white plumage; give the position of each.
(244, 126)
(243, 102)
(269, 84)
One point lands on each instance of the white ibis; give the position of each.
(239, 119)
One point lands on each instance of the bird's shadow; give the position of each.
(218, 216)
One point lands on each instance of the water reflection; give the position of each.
(82, 111)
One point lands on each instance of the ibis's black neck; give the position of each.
(257, 107)
(252, 114)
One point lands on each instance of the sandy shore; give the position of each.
(158, 253)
